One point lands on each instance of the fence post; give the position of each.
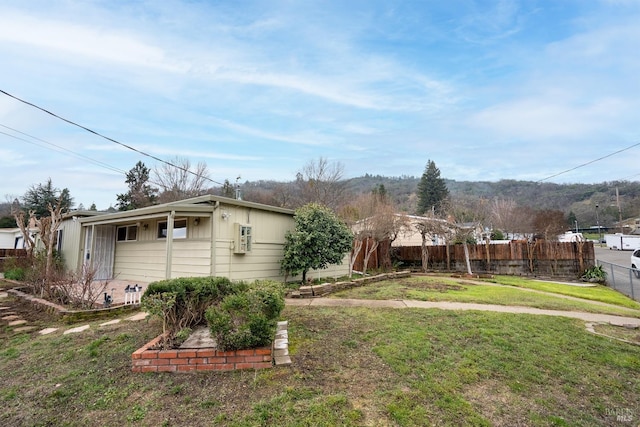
(631, 283)
(613, 280)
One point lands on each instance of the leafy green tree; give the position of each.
(432, 190)
(93, 207)
(140, 193)
(39, 197)
(320, 238)
(8, 222)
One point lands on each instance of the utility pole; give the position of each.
(619, 211)
(598, 225)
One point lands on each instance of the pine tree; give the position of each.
(140, 193)
(432, 190)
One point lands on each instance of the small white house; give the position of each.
(11, 238)
(410, 235)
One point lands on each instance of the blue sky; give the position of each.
(489, 90)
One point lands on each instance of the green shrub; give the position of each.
(594, 274)
(16, 273)
(247, 319)
(192, 297)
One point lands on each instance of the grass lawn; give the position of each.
(351, 367)
(438, 288)
(595, 293)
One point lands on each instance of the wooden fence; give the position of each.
(516, 257)
(7, 254)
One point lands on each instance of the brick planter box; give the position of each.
(202, 359)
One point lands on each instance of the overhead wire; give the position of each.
(590, 162)
(70, 152)
(127, 146)
(59, 148)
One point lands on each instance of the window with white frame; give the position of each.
(243, 237)
(179, 229)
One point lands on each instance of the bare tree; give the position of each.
(22, 220)
(374, 222)
(180, 181)
(430, 227)
(549, 223)
(48, 234)
(321, 182)
(503, 215)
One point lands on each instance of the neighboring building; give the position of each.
(8, 237)
(11, 238)
(570, 236)
(410, 236)
(202, 236)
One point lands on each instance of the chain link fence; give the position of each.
(623, 279)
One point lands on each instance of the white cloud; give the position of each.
(81, 43)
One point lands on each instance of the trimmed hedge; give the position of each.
(247, 319)
(193, 295)
(240, 316)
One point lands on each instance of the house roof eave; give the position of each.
(187, 207)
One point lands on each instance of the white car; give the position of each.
(635, 262)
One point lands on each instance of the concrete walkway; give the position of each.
(443, 305)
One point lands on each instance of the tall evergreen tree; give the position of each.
(140, 193)
(432, 190)
(39, 197)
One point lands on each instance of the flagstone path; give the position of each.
(12, 319)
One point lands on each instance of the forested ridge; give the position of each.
(578, 198)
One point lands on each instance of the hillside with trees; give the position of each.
(576, 201)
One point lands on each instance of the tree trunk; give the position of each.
(357, 247)
(581, 256)
(466, 258)
(424, 254)
(367, 253)
(487, 245)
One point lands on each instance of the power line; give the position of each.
(588, 163)
(129, 147)
(71, 152)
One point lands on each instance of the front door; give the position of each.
(103, 253)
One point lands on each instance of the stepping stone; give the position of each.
(136, 317)
(11, 317)
(17, 322)
(47, 331)
(111, 322)
(25, 329)
(76, 330)
(280, 344)
(282, 360)
(199, 338)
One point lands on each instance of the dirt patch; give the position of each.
(430, 286)
(25, 311)
(620, 332)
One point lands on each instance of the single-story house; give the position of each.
(410, 235)
(201, 236)
(9, 238)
